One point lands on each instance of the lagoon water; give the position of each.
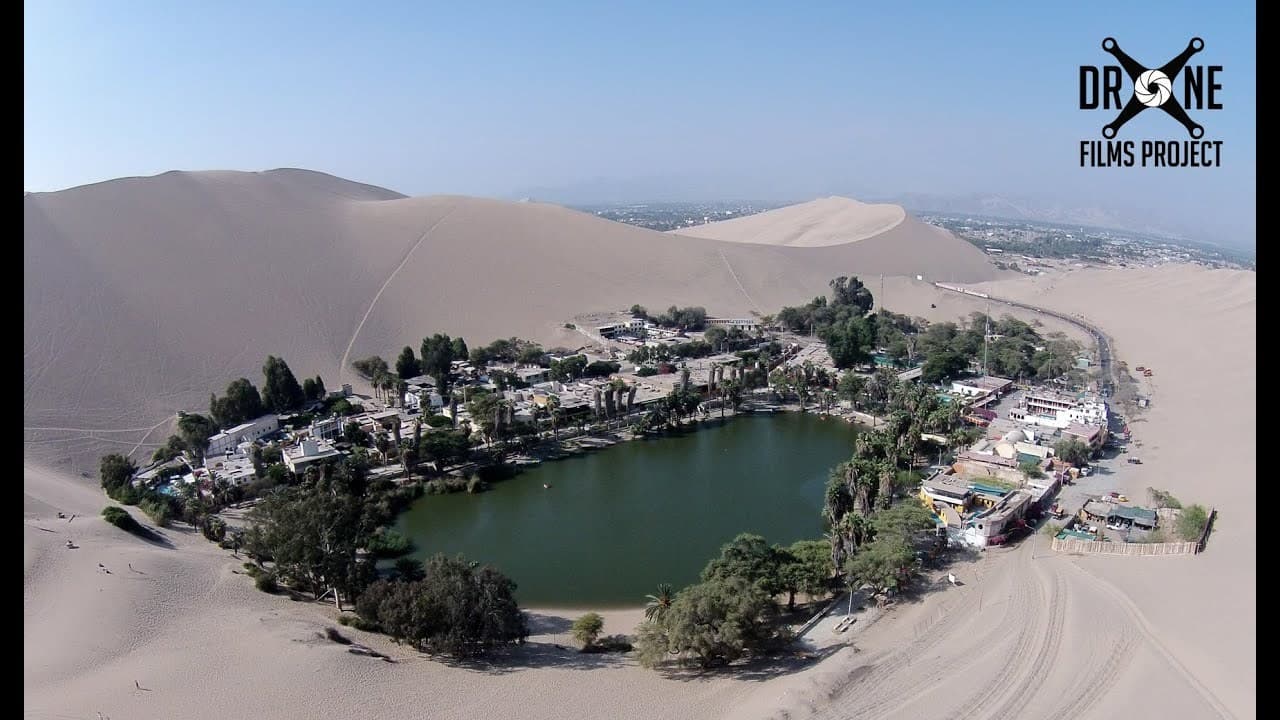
(617, 522)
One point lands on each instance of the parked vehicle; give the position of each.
(1135, 461)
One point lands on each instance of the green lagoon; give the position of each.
(617, 522)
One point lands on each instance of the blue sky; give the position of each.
(731, 100)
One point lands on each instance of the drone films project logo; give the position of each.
(1174, 87)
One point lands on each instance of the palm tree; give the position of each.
(553, 411)
(658, 604)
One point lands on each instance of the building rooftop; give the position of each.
(1087, 432)
(948, 487)
(986, 382)
(989, 459)
(1050, 396)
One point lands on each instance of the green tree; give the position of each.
(851, 387)
(312, 534)
(711, 623)
(884, 564)
(942, 365)
(571, 368)
(438, 354)
(849, 342)
(241, 403)
(601, 368)
(658, 604)
(309, 389)
(716, 337)
(851, 292)
(806, 568)
(587, 629)
(459, 608)
(281, 392)
(116, 472)
(172, 448)
(407, 364)
(195, 432)
(458, 348)
(903, 521)
(1073, 451)
(751, 558)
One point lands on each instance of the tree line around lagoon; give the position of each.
(316, 533)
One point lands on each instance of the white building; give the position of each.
(235, 469)
(748, 324)
(533, 375)
(248, 432)
(308, 453)
(330, 429)
(1056, 410)
(423, 399)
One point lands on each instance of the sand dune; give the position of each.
(142, 295)
(817, 223)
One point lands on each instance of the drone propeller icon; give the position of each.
(1152, 87)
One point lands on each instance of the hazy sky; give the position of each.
(732, 100)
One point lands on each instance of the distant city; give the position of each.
(673, 216)
(1013, 244)
(1009, 241)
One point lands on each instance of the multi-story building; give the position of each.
(227, 440)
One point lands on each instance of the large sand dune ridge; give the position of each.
(143, 295)
(817, 223)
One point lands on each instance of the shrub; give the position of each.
(266, 582)
(614, 643)
(1163, 499)
(333, 634)
(570, 326)
(587, 628)
(388, 544)
(1191, 522)
(476, 485)
(121, 518)
(646, 371)
(158, 509)
(439, 421)
(345, 620)
(444, 486)
(214, 529)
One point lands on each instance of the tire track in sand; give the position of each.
(342, 364)
(1150, 635)
(1028, 603)
(876, 691)
(1092, 687)
(1034, 677)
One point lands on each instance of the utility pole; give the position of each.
(986, 340)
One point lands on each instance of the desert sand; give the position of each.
(817, 223)
(1029, 634)
(143, 295)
